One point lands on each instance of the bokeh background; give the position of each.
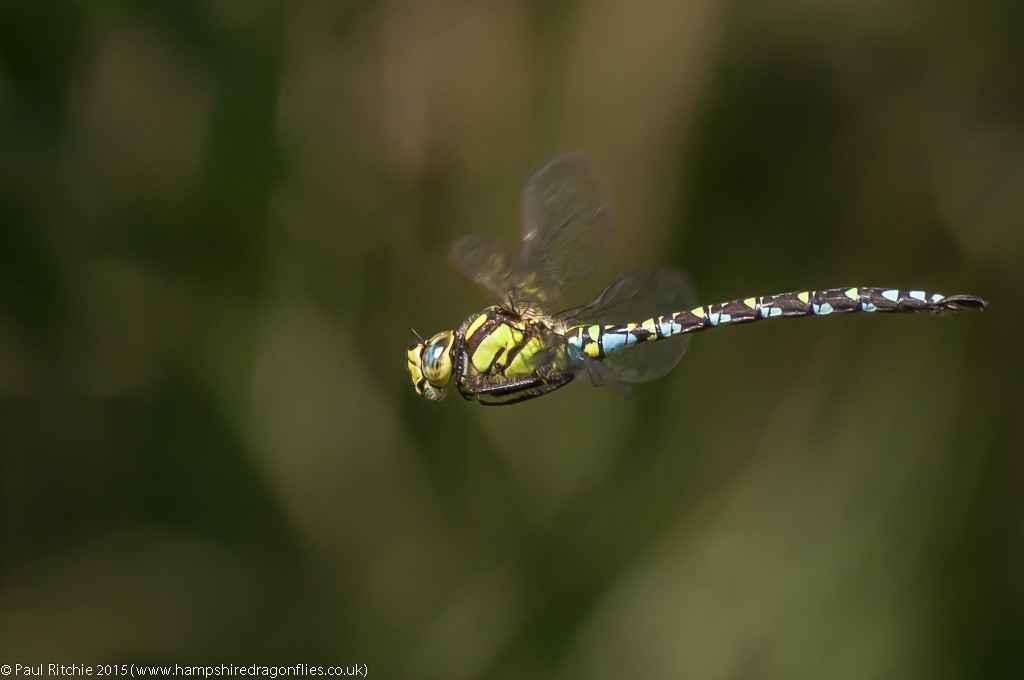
(220, 221)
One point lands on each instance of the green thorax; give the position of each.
(498, 342)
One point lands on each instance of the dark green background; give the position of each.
(220, 221)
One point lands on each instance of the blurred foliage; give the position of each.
(219, 222)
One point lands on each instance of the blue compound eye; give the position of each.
(437, 362)
(433, 356)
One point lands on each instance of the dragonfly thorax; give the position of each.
(498, 353)
(430, 365)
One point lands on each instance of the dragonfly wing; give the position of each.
(567, 224)
(635, 297)
(485, 262)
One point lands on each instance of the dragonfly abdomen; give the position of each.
(598, 341)
(834, 301)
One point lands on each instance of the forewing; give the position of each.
(635, 297)
(485, 262)
(567, 224)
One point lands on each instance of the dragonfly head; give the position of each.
(430, 365)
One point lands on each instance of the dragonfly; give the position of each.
(635, 330)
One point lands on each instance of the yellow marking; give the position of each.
(501, 339)
(414, 372)
(521, 365)
(751, 302)
(592, 349)
(477, 322)
(698, 312)
(651, 327)
(483, 357)
(414, 356)
(853, 294)
(804, 297)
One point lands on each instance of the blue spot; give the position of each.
(891, 295)
(938, 298)
(670, 327)
(724, 318)
(775, 311)
(868, 307)
(713, 318)
(917, 295)
(823, 308)
(630, 339)
(612, 342)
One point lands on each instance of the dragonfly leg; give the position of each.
(516, 390)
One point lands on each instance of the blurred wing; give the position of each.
(635, 297)
(485, 262)
(567, 224)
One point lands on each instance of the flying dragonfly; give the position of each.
(634, 331)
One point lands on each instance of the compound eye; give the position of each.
(432, 356)
(437, 363)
